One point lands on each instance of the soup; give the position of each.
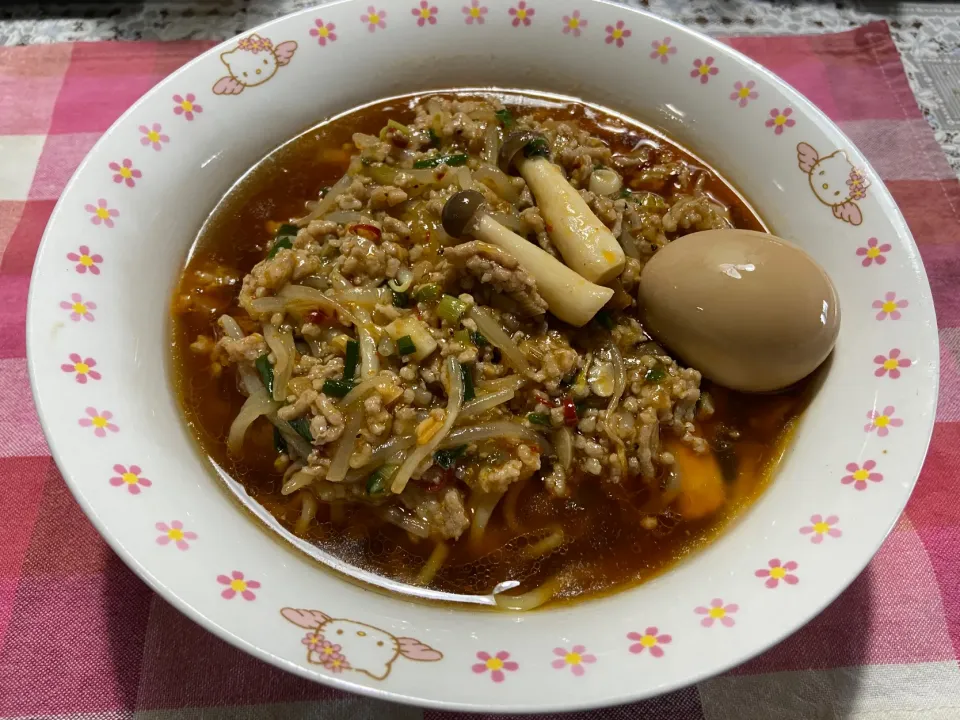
(409, 400)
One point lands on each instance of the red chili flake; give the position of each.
(370, 232)
(317, 317)
(570, 416)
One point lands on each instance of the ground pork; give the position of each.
(493, 266)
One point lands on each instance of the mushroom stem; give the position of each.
(586, 244)
(570, 297)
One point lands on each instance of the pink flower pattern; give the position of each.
(85, 260)
(873, 252)
(860, 474)
(496, 664)
(330, 654)
(574, 658)
(129, 477)
(775, 572)
(79, 309)
(425, 13)
(882, 421)
(101, 214)
(374, 19)
(474, 13)
(174, 533)
(125, 172)
(717, 611)
(186, 106)
(780, 119)
(82, 367)
(858, 185)
(99, 421)
(617, 34)
(237, 584)
(821, 527)
(703, 69)
(153, 136)
(744, 92)
(662, 49)
(522, 14)
(574, 24)
(651, 640)
(323, 32)
(889, 306)
(890, 364)
(316, 641)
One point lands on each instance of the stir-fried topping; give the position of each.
(455, 318)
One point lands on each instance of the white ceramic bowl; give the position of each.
(115, 244)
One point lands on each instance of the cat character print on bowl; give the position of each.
(254, 61)
(835, 181)
(339, 644)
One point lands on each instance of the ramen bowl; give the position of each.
(98, 342)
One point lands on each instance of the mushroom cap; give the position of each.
(460, 211)
(514, 143)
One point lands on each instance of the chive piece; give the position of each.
(427, 293)
(505, 117)
(351, 359)
(467, 375)
(452, 160)
(604, 319)
(279, 444)
(405, 345)
(542, 419)
(337, 388)
(626, 193)
(448, 458)
(401, 299)
(537, 147)
(478, 339)
(283, 238)
(463, 337)
(324, 190)
(655, 374)
(266, 372)
(434, 138)
(380, 478)
(302, 426)
(281, 244)
(451, 308)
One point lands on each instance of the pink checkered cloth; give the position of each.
(81, 636)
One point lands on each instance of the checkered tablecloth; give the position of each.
(81, 636)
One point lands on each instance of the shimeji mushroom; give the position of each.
(569, 297)
(587, 245)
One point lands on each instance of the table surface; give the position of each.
(927, 36)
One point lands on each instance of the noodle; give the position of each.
(297, 481)
(491, 330)
(483, 505)
(510, 504)
(529, 600)
(483, 403)
(498, 429)
(308, 511)
(281, 344)
(454, 403)
(550, 543)
(341, 459)
(256, 405)
(430, 569)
